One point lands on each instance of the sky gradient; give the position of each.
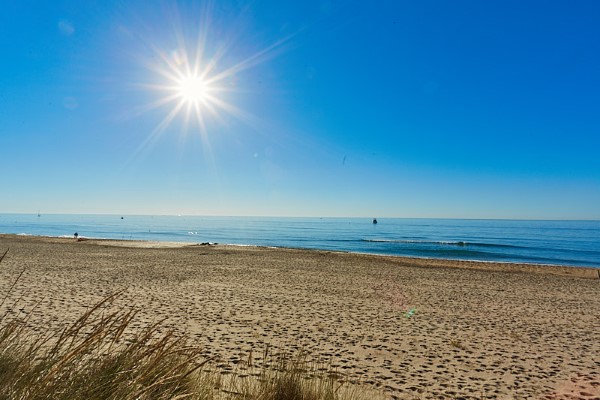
(463, 109)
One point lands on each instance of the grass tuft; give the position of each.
(295, 379)
(99, 356)
(91, 359)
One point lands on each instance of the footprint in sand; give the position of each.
(578, 386)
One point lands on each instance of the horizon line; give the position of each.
(303, 216)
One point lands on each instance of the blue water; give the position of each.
(542, 242)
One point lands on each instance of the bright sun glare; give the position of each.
(193, 89)
(193, 81)
(190, 87)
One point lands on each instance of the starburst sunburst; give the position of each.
(194, 81)
(189, 88)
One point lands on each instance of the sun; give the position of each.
(193, 90)
(197, 80)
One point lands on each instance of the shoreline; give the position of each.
(410, 328)
(586, 272)
(538, 242)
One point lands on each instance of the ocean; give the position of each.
(575, 243)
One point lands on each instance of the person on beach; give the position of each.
(75, 235)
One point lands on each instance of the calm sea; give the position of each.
(543, 242)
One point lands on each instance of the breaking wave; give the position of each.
(458, 243)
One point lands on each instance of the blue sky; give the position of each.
(463, 109)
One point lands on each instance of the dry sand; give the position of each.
(479, 330)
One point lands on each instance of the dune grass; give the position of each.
(296, 378)
(92, 359)
(100, 356)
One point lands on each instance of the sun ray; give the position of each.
(156, 104)
(253, 60)
(236, 112)
(155, 134)
(193, 78)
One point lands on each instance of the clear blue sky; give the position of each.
(473, 109)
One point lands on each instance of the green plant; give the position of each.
(99, 356)
(94, 359)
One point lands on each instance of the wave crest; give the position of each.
(458, 243)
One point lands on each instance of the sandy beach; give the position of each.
(411, 328)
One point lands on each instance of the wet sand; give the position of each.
(476, 330)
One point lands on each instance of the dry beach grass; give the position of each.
(409, 328)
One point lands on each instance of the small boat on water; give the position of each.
(374, 221)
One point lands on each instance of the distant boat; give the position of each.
(374, 221)
(39, 215)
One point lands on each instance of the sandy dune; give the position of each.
(477, 330)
